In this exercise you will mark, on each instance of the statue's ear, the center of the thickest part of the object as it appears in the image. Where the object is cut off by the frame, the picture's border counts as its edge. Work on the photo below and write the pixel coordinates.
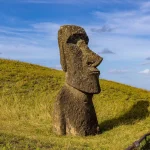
(62, 53)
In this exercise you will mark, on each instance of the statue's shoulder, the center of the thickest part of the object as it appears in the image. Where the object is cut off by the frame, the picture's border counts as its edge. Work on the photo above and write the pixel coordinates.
(63, 93)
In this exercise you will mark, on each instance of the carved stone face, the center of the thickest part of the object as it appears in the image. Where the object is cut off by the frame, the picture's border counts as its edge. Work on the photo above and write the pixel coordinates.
(77, 60)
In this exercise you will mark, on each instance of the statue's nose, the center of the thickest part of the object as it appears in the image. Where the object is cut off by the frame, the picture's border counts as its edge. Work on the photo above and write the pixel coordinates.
(94, 60)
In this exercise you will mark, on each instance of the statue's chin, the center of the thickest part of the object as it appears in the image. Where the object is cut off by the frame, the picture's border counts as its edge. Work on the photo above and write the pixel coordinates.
(94, 91)
(92, 87)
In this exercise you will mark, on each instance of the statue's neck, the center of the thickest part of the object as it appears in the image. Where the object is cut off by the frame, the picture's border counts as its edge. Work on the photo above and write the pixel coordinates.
(78, 93)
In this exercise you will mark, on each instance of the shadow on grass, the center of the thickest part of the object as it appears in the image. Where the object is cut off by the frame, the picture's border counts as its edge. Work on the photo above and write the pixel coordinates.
(139, 111)
(146, 146)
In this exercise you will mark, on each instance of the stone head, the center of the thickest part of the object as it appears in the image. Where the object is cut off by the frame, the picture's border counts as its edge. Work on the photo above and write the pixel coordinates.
(77, 60)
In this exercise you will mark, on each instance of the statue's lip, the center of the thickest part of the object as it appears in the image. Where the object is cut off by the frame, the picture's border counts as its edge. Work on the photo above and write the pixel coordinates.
(94, 70)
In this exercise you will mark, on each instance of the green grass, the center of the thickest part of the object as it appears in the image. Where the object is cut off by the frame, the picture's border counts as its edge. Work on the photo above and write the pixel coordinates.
(145, 144)
(27, 93)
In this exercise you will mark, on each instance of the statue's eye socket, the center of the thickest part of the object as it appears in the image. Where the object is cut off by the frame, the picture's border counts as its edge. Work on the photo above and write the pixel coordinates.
(76, 37)
(89, 63)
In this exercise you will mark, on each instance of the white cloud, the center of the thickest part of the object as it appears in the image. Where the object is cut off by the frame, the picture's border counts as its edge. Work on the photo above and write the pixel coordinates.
(46, 26)
(129, 38)
(37, 29)
(104, 28)
(118, 71)
(148, 58)
(64, 1)
(38, 41)
(106, 51)
(146, 71)
(146, 63)
(133, 22)
(125, 47)
(145, 7)
(50, 1)
(41, 38)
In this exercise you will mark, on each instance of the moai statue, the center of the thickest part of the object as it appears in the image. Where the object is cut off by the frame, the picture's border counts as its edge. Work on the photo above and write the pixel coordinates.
(74, 113)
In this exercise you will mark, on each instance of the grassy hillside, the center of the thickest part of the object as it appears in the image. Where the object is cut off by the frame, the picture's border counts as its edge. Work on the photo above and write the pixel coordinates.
(27, 93)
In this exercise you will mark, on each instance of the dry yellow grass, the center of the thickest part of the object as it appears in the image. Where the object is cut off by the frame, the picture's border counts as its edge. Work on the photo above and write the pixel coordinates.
(27, 93)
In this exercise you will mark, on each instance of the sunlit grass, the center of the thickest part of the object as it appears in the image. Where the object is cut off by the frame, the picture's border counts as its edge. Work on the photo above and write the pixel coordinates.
(27, 93)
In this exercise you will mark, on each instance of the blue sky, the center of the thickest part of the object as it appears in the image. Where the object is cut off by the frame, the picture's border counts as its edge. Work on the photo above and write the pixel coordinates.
(118, 30)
